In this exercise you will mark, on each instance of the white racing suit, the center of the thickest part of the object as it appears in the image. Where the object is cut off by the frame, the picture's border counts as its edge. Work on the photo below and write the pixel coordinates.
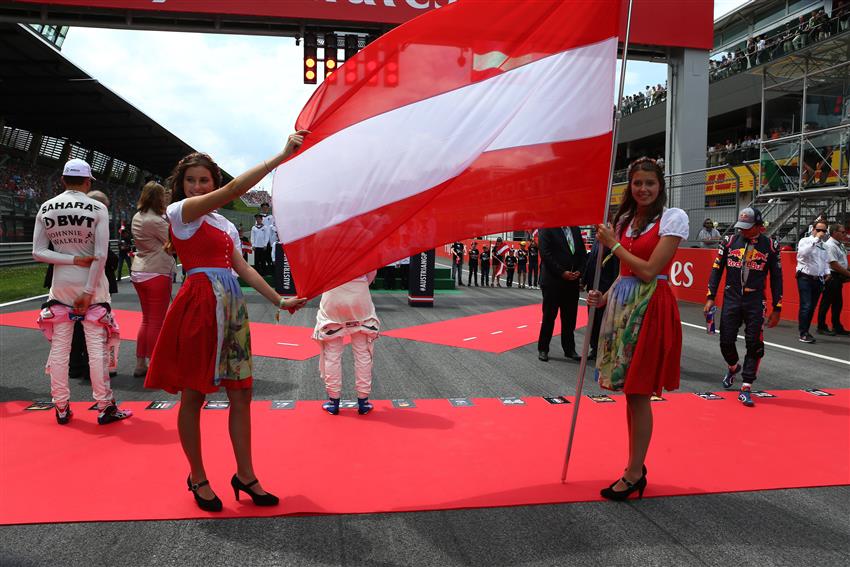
(102, 340)
(75, 225)
(347, 311)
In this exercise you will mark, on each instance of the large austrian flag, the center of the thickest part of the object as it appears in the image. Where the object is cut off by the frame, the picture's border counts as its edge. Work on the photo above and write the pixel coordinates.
(476, 118)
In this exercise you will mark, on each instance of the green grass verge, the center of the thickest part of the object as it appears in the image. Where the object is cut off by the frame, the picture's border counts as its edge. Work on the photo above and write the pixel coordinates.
(18, 282)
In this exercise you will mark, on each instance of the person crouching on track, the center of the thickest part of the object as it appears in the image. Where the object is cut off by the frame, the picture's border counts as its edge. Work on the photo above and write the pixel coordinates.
(748, 257)
(205, 341)
(78, 228)
(347, 310)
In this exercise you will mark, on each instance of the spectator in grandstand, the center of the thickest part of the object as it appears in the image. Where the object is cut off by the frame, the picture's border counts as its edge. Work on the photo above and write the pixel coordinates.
(800, 38)
(607, 275)
(125, 252)
(77, 228)
(153, 270)
(564, 257)
(260, 236)
(832, 298)
(485, 266)
(457, 262)
(708, 235)
(205, 339)
(474, 253)
(347, 311)
(640, 356)
(748, 258)
(812, 269)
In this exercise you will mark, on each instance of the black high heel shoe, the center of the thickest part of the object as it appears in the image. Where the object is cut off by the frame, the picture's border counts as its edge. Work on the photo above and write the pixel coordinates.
(266, 499)
(620, 495)
(212, 505)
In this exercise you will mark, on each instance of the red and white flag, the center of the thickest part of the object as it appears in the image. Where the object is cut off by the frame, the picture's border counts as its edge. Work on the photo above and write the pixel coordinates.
(476, 118)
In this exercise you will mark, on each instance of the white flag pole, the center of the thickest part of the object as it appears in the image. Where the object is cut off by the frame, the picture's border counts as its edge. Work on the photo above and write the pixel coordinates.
(597, 272)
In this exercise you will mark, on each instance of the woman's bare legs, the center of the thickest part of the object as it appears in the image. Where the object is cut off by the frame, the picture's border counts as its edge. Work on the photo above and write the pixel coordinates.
(239, 422)
(189, 429)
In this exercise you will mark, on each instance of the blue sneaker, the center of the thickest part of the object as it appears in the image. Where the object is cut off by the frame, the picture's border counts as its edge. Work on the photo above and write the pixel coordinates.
(745, 397)
(364, 406)
(729, 379)
(331, 406)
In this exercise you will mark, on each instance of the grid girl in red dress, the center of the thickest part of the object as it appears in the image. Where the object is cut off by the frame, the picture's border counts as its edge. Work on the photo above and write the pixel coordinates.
(205, 340)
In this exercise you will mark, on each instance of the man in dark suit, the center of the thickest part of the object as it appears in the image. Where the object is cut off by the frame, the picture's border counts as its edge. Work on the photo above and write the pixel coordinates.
(563, 261)
(607, 275)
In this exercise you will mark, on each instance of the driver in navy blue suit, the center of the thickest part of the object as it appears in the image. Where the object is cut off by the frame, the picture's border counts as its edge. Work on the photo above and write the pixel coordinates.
(563, 260)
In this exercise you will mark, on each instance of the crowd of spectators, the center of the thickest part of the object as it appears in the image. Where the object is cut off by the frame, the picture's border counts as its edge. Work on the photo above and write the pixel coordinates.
(256, 197)
(23, 186)
(644, 99)
(808, 29)
(722, 153)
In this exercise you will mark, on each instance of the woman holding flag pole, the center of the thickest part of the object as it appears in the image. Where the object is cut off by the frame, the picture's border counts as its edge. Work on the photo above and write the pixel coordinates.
(640, 343)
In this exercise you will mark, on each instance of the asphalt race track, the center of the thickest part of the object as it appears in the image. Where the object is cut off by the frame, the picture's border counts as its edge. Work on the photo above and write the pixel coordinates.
(778, 527)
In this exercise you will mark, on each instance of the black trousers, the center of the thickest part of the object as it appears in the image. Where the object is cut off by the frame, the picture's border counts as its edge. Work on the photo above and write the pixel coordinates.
(561, 298)
(473, 271)
(123, 258)
(597, 326)
(533, 274)
(831, 299)
(261, 261)
(78, 364)
(485, 274)
(511, 277)
(748, 310)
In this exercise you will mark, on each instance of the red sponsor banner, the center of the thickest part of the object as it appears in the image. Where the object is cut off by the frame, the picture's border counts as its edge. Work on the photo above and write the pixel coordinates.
(654, 22)
(692, 266)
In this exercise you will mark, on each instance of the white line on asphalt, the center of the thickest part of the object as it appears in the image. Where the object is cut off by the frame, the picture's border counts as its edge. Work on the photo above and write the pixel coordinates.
(522, 326)
(469, 339)
(288, 344)
(23, 300)
(496, 332)
(783, 347)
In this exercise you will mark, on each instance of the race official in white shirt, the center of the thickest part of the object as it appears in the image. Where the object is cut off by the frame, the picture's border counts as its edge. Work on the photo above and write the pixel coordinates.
(260, 242)
(832, 298)
(812, 270)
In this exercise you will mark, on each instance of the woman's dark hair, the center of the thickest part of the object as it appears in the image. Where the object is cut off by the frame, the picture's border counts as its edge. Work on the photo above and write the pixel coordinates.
(628, 209)
(175, 181)
(152, 198)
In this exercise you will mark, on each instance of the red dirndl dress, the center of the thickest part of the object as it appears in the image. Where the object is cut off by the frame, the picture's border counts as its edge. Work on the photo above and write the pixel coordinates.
(640, 341)
(204, 342)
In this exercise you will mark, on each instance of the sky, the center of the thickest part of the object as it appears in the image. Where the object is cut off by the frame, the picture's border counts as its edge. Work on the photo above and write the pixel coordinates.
(234, 97)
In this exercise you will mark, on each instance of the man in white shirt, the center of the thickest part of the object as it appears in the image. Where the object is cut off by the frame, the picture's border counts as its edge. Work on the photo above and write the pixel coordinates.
(78, 229)
(260, 242)
(708, 235)
(812, 269)
(836, 255)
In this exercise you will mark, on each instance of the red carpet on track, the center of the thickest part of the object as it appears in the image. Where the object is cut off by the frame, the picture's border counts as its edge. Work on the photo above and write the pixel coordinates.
(496, 332)
(277, 341)
(431, 457)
